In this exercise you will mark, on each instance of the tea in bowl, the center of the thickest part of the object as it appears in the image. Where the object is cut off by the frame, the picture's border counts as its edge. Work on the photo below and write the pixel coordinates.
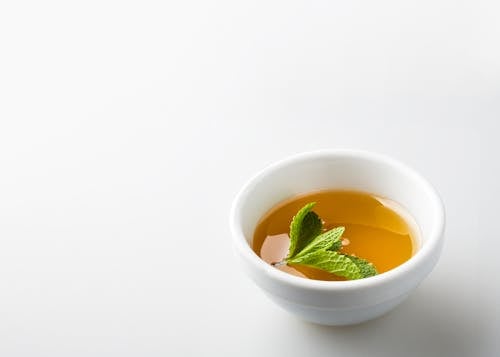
(337, 237)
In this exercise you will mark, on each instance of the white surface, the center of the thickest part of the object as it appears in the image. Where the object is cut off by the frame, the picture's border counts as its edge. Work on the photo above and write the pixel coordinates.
(126, 128)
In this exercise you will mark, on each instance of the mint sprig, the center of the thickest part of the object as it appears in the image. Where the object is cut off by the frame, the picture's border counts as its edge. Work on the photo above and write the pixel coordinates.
(311, 247)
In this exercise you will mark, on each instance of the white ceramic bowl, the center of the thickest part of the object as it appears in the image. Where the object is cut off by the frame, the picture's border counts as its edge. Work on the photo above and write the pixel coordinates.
(338, 302)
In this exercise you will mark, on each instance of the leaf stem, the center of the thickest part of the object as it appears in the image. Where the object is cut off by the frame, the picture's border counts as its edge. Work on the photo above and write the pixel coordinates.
(278, 264)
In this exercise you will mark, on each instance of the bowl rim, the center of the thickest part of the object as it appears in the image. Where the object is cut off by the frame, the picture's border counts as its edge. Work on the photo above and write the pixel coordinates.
(244, 249)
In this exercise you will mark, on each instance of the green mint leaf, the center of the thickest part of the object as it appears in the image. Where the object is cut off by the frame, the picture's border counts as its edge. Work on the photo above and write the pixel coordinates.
(305, 226)
(326, 241)
(332, 262)
(336, 245)
(366, 268)
(310, 247)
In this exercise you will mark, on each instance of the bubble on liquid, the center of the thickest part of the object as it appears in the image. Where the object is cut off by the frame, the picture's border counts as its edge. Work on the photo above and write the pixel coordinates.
(345, 241)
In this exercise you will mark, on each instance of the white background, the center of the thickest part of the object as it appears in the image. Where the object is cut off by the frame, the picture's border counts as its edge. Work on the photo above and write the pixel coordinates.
(126, 128)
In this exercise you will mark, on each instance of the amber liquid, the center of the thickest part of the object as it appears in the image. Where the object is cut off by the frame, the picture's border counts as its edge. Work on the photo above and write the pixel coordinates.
(376, 229)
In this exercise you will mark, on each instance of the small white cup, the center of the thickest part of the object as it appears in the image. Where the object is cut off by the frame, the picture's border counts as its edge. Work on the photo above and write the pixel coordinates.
(338, 302)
